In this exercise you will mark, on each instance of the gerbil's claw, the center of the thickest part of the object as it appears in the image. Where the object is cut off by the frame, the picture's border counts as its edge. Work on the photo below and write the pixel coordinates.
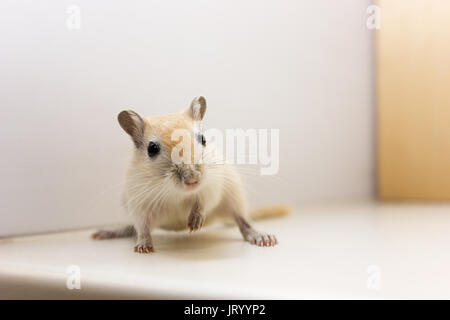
(195, 222)
(255, 237)
(141, 248)
(261, 239)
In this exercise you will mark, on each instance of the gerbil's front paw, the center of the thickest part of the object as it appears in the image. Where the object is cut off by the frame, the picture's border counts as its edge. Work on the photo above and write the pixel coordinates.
(144, 248)
(262, 239)
(195, 221)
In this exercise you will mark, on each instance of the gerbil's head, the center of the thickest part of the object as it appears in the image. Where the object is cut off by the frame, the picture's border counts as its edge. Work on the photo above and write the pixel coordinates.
(169, 149)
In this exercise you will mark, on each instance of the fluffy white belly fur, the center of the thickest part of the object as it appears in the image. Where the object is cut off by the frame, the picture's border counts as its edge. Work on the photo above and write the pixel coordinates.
(174, 216)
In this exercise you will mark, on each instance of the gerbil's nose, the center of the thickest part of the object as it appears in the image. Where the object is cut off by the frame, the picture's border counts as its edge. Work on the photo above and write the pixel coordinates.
(191, 181)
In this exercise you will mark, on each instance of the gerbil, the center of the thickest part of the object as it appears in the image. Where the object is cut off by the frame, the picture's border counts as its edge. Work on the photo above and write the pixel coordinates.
(176, 196)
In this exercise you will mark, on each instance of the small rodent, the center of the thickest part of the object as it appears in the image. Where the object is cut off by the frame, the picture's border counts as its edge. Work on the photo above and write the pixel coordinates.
(177, 196)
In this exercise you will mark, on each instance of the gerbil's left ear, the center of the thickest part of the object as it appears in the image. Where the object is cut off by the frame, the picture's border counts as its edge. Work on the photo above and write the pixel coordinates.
(197, 109)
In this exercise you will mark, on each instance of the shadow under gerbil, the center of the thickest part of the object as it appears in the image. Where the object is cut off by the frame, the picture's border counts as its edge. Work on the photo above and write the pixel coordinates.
(196, 246)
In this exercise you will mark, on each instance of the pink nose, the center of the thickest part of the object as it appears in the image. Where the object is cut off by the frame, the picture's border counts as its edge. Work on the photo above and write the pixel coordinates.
(191, 181)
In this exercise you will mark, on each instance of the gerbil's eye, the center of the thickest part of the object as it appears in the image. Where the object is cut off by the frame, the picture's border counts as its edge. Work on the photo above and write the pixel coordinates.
(153, 149)
(201, 139)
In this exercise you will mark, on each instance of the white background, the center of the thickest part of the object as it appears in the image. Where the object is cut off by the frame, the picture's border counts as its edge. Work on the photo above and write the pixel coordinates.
(304, 67)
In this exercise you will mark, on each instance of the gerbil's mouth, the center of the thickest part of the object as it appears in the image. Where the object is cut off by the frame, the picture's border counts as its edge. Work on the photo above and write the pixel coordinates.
(191, 183)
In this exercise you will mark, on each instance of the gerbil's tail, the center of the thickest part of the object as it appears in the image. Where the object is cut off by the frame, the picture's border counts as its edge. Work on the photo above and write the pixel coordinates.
(123, 232)
(270, 212)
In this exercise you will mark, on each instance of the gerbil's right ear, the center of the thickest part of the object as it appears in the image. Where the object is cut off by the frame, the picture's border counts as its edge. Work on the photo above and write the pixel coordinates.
(134, 125)
(197, 109)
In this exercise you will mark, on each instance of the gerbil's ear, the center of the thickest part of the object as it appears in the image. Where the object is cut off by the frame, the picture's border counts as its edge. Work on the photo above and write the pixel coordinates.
(134, 125)
(197, 109)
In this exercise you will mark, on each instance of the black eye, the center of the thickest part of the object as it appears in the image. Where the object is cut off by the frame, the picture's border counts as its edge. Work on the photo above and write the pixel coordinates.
(201, 139)
(153, 149)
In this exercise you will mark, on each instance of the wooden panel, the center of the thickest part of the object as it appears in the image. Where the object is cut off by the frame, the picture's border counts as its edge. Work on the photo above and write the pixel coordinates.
(413, 64)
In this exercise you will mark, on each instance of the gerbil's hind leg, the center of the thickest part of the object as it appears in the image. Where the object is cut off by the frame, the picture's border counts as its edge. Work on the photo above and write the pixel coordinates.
(254, 237)
(144, 243)
(124, 232)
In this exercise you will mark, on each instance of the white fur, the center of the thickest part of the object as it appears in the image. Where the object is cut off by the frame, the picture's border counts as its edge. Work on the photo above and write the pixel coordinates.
(163, 193)
(155, 199)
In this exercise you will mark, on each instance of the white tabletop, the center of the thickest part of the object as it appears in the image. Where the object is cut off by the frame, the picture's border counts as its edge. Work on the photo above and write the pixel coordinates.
(340, 251)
